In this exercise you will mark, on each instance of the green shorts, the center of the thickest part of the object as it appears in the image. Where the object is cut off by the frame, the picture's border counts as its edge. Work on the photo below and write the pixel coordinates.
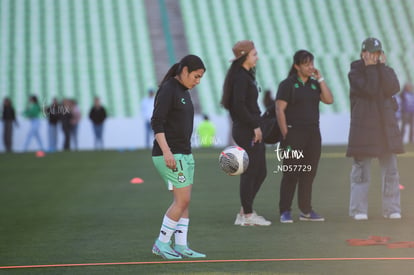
(180, 177)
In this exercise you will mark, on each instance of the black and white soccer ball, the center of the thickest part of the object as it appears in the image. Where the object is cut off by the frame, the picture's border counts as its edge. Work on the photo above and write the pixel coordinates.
(234, 160)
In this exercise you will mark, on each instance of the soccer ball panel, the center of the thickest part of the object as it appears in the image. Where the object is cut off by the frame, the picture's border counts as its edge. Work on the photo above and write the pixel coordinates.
(233, 160)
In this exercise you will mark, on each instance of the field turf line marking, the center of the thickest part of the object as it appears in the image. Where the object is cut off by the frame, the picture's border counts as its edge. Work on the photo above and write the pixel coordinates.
(210, 261)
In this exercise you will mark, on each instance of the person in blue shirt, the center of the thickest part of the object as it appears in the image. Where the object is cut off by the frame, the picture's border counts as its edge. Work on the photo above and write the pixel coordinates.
(407, 111)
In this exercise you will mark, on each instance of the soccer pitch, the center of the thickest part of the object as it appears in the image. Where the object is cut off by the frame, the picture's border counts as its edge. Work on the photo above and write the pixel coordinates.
(78, 213)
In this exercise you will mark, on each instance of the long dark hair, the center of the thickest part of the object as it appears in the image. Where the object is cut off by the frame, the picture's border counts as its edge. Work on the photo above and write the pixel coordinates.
(228, 81)
(192, 62)
(300, 57)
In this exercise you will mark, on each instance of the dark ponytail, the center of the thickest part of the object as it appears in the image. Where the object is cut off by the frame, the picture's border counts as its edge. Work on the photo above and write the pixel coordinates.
(172, 72)
(192, 62)
(228, 81)
(300, 57)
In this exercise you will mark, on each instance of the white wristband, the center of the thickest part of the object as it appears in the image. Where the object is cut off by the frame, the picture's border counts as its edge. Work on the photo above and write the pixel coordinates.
(321, 79)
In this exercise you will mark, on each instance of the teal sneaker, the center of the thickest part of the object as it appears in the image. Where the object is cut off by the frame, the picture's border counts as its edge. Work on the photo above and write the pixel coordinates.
(185, 251)
(165, 251)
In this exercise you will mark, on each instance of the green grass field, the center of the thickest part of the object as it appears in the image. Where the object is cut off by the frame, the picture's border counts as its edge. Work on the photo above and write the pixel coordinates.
(80, 208)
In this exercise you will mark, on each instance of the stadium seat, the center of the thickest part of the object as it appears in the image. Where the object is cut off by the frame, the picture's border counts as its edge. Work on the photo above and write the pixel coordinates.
(331, 30)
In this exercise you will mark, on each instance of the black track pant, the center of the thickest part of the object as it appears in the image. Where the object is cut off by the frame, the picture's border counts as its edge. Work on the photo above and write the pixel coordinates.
(253, 177)
(300, 167)
(7, 134)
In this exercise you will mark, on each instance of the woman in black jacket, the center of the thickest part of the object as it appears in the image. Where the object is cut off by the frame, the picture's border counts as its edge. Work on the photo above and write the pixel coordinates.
(240, 93)
(374, 131)
(172, 122)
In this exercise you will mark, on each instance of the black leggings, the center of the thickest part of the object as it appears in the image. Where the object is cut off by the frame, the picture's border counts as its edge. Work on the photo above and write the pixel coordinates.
(306, 140)
(253, 177)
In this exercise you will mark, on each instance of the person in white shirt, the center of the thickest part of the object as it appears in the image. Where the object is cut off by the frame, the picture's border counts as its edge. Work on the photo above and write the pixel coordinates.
(147, 106)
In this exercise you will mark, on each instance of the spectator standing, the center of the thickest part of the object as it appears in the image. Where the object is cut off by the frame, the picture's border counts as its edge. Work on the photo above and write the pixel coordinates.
(97, 115)
(66, 117)
(33, 113)
(206, 132)
(53, 119)
(75, 119)
(407, 111)
(9, 117)
(374, 131)
(147, 106)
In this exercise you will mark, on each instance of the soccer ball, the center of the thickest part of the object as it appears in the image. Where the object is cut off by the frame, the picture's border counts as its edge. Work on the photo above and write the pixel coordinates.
(233, 160)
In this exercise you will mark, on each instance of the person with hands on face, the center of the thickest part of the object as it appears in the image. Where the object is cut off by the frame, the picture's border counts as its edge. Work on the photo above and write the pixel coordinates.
(240, 94)
(373, 58)
(297, 111)
(374, 131)
(172, 122)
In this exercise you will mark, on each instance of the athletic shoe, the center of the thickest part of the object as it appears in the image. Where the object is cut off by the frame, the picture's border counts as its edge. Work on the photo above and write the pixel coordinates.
(185, 251)
(165, 251)
(360, 217)
(254, 219)
(312, 216)
(286, 217)
(393, 216)
(238, 220)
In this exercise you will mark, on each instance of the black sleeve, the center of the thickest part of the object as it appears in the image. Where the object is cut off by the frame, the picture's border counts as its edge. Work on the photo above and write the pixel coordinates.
(389, 81)
(162, 105)
(284, 91)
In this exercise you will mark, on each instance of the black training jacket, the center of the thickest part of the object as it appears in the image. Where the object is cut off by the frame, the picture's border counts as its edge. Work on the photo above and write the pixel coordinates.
(173, 115)
(244, 109)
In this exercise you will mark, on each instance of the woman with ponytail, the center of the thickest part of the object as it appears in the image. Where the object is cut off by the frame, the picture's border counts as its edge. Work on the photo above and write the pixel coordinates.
(172, 123)
(240, 93)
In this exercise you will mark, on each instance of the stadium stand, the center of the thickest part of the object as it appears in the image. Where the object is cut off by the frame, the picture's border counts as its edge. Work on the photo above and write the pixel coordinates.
(76, 49)
(85, 48)
(332, 30)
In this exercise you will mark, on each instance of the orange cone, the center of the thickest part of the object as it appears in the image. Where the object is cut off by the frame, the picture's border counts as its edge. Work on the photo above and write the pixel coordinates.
(137, 181)
(40, 154)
